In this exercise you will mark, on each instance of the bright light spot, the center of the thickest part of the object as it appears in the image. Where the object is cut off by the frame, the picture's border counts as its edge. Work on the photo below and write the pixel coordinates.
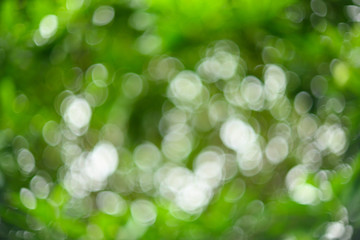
(143, 212)
(186, 86)
(26, 161)
(332, 137)
(322, 137)
(76, 183)
(132, 85)
(27, 198)
(222, 65)
(335, 230)
(305, 194)
(275, 82)
(103, 15)
(296, 176)
(303, 102)
(51, 133)
(147, 156)
(191, 192)
(209, 167)
(337, 141)
(101, 162)
(300, 191)
(74, 4)
(173, 180)
(237, 135)
(77, 115)
(48, 26)
(110, 203)
(40, 187)
(89, 172)
(252, 92)
(277, 150)
(193, 197)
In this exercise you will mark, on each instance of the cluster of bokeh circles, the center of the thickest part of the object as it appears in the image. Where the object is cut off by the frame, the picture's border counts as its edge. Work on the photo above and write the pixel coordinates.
(136, 153)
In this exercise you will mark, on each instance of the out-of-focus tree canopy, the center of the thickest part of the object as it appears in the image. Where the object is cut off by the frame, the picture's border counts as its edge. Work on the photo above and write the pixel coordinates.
(177, 119)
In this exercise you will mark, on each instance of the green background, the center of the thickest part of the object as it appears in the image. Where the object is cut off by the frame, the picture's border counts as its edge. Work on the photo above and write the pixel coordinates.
(140, 49)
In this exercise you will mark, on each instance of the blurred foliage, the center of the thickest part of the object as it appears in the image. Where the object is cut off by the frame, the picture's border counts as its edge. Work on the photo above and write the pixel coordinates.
(176, 119)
